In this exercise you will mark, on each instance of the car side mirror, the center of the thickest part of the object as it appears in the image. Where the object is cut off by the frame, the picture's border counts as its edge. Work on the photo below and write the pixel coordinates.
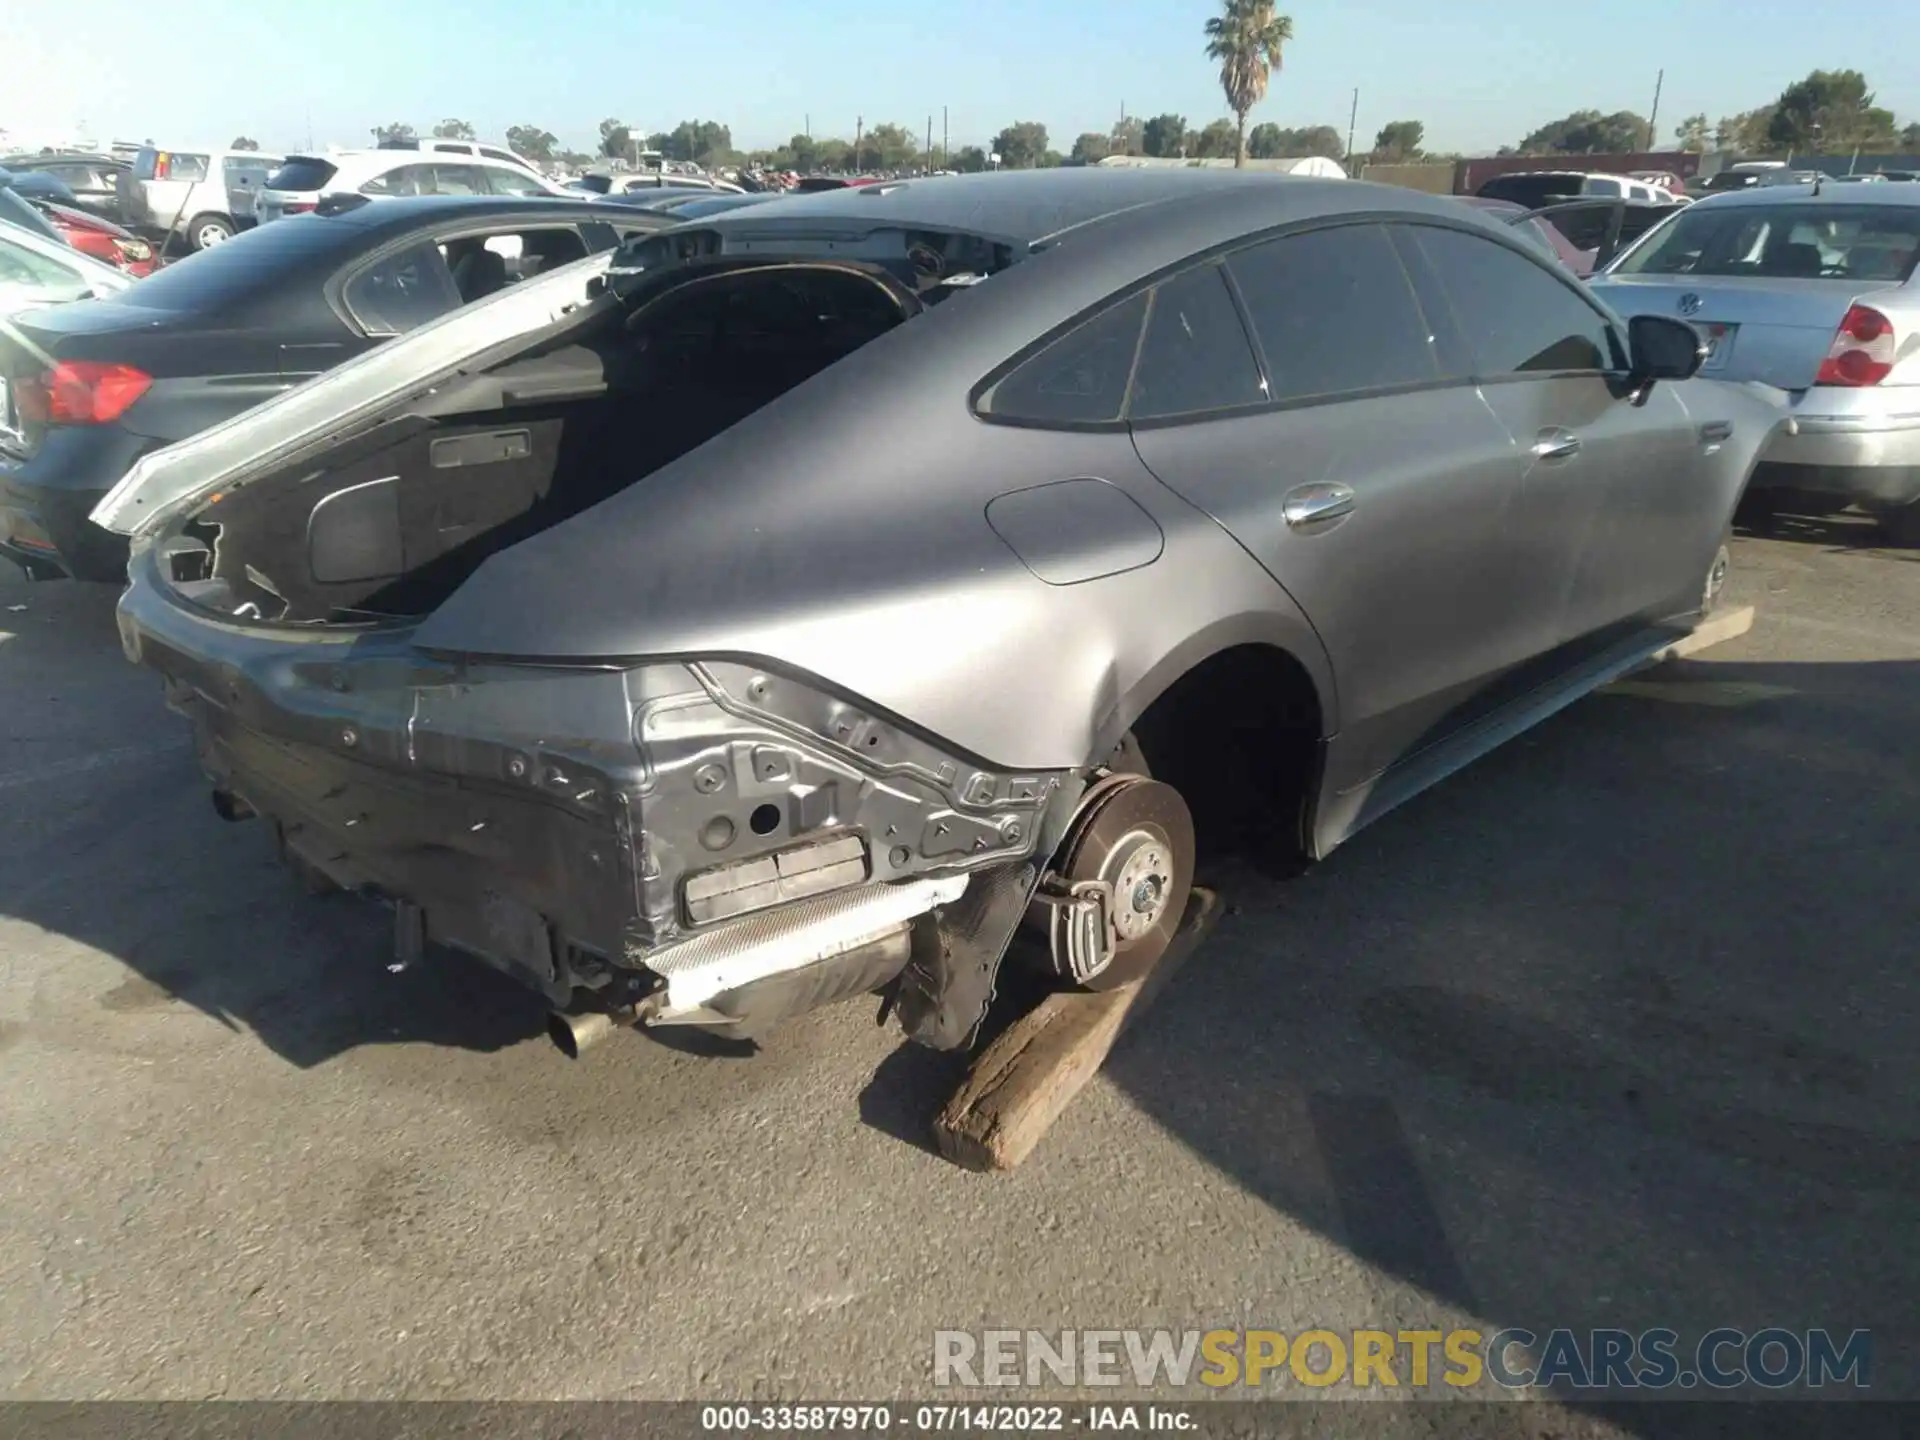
(1664, 348)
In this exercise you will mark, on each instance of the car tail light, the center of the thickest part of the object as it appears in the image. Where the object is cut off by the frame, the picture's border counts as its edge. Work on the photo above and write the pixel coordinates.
(162, 165)
(297, 207)
(96, 243)
(80, 392)
(1862, 350)
(133, 251)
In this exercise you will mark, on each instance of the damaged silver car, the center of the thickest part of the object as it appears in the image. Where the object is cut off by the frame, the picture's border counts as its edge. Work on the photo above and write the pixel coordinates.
(798, 602)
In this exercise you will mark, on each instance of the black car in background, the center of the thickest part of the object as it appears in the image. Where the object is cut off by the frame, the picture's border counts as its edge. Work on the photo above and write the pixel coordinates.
(97, 384)
(92, 180)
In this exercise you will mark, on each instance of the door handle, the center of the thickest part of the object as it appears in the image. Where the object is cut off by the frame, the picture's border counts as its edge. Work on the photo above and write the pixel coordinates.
(1316, 503)
(1556, 444)
(1714, 432)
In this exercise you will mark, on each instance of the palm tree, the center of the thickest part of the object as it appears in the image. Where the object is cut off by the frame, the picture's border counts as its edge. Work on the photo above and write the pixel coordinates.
(1246, 37)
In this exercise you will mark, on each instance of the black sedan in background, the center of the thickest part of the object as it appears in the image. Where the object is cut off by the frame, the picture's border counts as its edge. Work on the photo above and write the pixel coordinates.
(91, 180)
(91, 387)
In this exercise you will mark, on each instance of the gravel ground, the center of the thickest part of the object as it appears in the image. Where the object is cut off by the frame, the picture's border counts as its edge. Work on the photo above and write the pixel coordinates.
(1613, 1029)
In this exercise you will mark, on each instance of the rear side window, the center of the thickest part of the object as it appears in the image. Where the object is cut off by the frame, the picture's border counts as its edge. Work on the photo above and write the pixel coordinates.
(1334, 312)
(302, 174)
(1080, 379)
(513, 182)
(403, 291)
(1515, 316)
(187, 167)
(1195, 357)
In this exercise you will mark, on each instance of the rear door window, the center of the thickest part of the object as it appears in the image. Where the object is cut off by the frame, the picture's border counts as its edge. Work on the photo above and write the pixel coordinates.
(1196, 358)
(1080, 379)
(513, 182)
(458, 180)
(402, 291)
(187, 167)
(1334, 312)
(401, 180)
(1514, 315)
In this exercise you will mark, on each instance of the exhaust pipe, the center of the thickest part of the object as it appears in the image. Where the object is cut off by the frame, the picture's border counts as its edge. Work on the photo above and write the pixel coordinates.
(231, 808)
(572, 1031)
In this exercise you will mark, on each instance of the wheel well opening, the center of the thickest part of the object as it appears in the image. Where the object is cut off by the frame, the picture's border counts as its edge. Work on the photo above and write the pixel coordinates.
(1238, 736)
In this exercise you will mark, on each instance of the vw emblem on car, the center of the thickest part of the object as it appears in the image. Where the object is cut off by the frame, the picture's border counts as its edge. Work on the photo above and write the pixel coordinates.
(1690, 304)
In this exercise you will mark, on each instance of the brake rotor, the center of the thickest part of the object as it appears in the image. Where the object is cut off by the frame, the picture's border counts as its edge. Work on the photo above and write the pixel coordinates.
(1136, 836)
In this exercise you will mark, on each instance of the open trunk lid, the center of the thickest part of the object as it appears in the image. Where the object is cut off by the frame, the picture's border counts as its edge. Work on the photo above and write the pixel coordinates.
(1773, 330)
(168, 483)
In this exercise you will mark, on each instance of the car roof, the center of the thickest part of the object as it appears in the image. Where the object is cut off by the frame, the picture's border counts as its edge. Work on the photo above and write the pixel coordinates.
(405, 212)
(21, 159)
(1809, 194)
(1026, 206)
(209, 150)
(379, 161)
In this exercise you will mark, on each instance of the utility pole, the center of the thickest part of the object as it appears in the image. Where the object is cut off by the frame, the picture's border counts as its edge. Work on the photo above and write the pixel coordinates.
(1353, 117)
(1658, 81)
(944, 151)
(929, 144)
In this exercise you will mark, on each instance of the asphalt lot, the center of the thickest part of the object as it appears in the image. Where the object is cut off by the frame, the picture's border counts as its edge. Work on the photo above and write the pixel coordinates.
(1616, 1028)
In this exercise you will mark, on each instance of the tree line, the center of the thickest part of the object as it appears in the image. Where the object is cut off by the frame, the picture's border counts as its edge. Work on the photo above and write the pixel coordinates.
(1830, 111)
(1247, 39)
(1025, 144)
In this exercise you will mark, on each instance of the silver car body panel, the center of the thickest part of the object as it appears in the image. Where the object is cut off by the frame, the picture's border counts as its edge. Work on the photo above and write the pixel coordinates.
(1861, 441)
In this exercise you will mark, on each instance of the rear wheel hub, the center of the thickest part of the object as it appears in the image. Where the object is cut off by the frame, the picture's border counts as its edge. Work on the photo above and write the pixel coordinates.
(1135, 840)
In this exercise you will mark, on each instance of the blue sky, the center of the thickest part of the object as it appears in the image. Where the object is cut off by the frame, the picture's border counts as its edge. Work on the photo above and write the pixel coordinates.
(1479, 73)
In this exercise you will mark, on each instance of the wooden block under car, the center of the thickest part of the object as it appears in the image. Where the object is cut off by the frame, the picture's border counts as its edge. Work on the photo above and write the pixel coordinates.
(1025, 1079)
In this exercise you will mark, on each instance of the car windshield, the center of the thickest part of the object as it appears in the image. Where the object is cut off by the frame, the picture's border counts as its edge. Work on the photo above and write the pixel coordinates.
(1788, 241)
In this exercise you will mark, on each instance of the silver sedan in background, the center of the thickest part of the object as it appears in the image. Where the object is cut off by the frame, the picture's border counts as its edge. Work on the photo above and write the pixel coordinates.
(1809, 288)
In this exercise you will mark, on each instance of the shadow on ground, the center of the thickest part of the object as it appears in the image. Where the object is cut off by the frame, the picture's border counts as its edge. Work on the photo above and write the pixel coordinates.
(111, 840)
(1615, 1029)
(1835, 532)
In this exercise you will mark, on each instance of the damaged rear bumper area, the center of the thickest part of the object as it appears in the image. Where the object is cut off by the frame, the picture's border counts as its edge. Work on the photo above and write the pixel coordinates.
(708, 842)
